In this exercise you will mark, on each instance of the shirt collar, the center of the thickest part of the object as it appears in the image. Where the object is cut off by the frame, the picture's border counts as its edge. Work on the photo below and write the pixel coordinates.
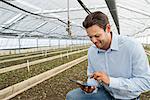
(113, 46)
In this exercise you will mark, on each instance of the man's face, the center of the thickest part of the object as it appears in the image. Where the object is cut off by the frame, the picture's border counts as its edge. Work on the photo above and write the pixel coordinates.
(98, 36)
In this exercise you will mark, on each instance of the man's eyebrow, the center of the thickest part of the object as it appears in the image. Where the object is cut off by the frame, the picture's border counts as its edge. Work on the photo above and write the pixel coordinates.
(89, 35)
(97, 33)
(93, 35)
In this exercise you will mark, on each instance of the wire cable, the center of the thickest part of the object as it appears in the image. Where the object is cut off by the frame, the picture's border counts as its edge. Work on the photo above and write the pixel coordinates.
(84, 7)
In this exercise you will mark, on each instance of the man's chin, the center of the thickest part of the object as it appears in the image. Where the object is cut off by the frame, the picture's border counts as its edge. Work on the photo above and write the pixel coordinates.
(98, 46)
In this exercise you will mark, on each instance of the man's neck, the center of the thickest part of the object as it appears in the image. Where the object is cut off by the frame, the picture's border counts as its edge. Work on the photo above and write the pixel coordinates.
(109, 42)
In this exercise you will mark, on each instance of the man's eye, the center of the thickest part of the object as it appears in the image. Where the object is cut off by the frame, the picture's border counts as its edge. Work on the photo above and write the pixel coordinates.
(96, 35)
(90, 37)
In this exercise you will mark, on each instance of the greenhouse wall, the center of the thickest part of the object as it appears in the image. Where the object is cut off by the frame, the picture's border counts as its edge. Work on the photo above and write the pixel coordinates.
(7, 43)
(144, 39)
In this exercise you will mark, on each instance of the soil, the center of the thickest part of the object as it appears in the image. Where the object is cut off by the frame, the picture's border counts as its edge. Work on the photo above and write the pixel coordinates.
(56, 87)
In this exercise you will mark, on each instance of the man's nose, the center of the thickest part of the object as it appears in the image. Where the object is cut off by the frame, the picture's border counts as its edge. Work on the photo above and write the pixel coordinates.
(93, 39)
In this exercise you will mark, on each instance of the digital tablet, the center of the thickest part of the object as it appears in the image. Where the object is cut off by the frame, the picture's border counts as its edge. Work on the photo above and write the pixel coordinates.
(78, 82)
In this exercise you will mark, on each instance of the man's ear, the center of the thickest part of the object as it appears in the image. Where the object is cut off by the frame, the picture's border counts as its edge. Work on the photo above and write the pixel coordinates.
(108, 28)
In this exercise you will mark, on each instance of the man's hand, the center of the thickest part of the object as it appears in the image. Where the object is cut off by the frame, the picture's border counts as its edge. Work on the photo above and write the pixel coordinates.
(101, 76)
(88, 89)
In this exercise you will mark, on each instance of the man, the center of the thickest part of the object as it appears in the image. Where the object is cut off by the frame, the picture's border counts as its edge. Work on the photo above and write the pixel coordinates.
(118, 67)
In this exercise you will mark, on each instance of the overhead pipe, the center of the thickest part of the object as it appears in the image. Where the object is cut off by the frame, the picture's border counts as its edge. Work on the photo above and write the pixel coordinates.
(113, 10)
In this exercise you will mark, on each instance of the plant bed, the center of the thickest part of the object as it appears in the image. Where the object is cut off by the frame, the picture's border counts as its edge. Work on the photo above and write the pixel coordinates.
(41, 56)
(3, 57)
(56, 87)
(12, 77)
(148, 58)
(145, 96)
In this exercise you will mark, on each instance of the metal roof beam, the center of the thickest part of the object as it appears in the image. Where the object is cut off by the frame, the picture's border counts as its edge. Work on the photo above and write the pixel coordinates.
(139, 22)
(134, 10)
(28, 4)
(71, 9)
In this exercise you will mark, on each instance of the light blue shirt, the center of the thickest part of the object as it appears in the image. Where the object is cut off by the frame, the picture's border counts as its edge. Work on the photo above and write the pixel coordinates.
(126, 64)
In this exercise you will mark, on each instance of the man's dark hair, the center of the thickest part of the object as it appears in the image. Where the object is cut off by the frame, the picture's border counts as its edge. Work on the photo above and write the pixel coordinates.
(96, 18)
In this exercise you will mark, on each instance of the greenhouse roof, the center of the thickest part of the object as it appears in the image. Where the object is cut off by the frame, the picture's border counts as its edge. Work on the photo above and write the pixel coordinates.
(49, 18)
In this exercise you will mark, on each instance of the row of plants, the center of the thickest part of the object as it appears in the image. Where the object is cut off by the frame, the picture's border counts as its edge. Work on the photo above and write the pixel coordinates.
(16, 62)
(147, 47)
(146, 95)
(12, 77)
(3, 57)
(56, 87)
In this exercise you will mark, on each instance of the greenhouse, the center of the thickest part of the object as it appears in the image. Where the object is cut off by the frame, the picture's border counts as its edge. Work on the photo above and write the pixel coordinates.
(46, 45)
